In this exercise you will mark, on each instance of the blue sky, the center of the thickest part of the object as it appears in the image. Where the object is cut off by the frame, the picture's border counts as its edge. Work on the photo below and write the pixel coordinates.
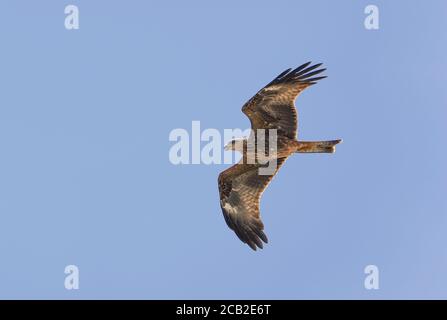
(85, 177)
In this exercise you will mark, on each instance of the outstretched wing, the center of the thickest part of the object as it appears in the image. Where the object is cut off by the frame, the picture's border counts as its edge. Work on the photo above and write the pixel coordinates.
(240, 190)
(273, 107)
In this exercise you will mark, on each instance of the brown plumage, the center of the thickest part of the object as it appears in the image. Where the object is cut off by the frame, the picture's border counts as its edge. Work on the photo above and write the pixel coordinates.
(241, 186)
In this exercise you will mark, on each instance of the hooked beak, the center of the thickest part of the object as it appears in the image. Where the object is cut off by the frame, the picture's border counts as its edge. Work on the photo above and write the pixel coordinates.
(227, 146)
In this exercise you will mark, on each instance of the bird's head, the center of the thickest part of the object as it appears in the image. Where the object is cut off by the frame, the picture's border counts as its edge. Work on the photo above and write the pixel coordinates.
(236, 145)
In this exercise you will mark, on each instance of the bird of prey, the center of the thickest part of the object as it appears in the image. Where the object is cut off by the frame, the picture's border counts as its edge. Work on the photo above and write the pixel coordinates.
(241, 186)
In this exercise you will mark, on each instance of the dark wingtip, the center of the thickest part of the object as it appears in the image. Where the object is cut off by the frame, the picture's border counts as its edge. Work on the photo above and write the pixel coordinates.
(251, 236)
(308, 75)
(252, 245)
(301, 67)
(316, 79)
(264, 237)
(305, 73)
(301, 74)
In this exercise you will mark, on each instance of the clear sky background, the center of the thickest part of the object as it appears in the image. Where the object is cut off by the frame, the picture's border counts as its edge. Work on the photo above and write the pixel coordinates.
(85, 176)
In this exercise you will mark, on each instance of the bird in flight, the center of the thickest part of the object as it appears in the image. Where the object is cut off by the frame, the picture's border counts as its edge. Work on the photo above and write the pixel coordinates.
(272, 108)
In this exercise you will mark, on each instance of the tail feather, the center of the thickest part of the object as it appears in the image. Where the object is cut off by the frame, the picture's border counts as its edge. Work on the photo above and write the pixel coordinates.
(317, 146)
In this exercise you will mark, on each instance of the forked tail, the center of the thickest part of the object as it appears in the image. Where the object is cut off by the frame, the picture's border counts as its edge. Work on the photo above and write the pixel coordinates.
(316, 146)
